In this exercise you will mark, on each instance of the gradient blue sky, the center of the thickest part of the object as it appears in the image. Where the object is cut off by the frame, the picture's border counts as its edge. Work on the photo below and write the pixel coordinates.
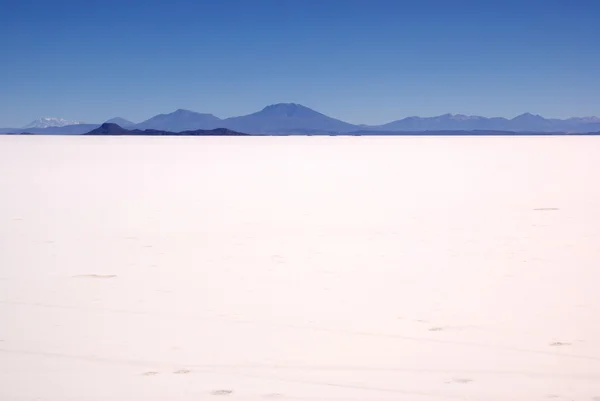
(364, 61)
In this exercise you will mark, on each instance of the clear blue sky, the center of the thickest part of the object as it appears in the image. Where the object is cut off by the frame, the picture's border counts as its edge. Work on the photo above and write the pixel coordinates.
(364, 61)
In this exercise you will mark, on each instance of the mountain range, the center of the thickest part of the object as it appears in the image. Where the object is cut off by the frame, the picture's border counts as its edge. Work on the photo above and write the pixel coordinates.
(291, 118)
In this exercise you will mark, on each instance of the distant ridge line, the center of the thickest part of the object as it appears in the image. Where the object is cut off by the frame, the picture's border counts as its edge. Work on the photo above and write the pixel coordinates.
(296, 119)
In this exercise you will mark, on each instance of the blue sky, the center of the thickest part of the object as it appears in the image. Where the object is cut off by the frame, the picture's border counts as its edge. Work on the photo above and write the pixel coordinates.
(364, 61)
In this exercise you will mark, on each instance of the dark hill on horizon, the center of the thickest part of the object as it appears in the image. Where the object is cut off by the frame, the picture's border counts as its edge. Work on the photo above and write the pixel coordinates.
(114, 129)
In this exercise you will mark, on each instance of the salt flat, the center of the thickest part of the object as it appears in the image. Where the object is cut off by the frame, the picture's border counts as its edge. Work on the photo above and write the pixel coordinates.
(299, 268)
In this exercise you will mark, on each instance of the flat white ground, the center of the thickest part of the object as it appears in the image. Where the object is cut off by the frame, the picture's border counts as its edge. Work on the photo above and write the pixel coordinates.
(308, 268)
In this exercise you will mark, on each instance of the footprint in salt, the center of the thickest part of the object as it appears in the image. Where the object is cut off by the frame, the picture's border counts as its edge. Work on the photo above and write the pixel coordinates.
(462, 380)
(222, 392)
(149, 373)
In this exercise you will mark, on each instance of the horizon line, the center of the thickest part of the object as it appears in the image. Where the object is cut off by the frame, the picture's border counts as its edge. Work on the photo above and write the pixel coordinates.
(301, 105)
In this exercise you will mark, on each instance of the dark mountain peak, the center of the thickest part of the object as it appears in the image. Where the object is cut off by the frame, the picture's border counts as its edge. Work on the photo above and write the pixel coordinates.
(283, 106)
(183, 111)
(287, 110)
(457, 117)
(186, 113)
(528, 116)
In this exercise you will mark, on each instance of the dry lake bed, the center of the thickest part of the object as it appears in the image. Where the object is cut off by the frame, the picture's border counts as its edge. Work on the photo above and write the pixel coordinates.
(299, 268)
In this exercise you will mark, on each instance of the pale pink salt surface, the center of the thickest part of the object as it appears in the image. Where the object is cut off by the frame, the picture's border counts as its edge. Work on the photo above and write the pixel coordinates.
(347, 268)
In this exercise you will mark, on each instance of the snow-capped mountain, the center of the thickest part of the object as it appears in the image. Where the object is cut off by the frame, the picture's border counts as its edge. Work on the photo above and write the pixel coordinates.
(47, 122)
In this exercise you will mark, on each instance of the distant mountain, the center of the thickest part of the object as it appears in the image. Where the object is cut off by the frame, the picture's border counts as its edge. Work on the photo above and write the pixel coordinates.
(108, 129)
(526, 122)
(458, 133)
(120, 121)
(181, 120)
(287, 117)
(445, 122)
(47, 122)
(295, 119)
(584, 120)
(114, 129)
(66, 130)
(531, 122)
